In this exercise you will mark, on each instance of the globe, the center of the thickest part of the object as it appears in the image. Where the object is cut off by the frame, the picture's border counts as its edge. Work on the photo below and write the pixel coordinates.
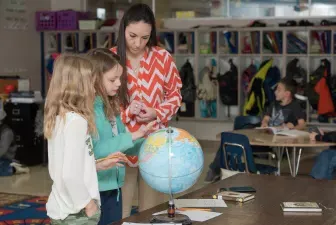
(170, 160)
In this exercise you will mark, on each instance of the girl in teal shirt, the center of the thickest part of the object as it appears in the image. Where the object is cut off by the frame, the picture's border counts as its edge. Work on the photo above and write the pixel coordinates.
(112, 134)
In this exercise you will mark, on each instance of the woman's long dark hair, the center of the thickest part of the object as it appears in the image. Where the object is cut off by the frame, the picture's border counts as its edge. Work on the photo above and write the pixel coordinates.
(136, 13)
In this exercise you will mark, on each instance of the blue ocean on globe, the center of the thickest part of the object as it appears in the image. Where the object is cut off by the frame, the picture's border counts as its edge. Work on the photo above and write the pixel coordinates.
(186, 160)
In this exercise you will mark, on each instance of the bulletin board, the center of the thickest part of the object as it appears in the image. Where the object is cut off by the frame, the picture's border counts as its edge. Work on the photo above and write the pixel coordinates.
(20, 52)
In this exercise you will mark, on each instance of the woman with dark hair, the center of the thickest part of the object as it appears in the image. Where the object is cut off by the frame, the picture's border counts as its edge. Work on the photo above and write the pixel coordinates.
(153, 85)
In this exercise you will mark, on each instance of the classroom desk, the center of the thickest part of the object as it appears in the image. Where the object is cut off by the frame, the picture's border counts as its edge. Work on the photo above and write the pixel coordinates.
(282, 143)
(265, 208)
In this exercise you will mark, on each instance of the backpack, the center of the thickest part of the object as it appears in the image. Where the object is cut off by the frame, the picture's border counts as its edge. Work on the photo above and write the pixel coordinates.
(247, 76)
(228, 85)
(256, 98)
(188, 90)
(296, 72)
(207, 88)
(315, 77)
(273, 76)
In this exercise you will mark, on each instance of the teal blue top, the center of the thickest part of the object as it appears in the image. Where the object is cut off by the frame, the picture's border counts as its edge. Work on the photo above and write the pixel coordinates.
(106, 143)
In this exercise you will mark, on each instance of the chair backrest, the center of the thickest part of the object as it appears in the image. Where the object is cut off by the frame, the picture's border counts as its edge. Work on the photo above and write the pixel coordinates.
(245, 122)
(234, 147)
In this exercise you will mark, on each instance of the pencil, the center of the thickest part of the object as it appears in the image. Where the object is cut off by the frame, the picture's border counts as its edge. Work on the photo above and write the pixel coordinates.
(194, 209)
(113, 157)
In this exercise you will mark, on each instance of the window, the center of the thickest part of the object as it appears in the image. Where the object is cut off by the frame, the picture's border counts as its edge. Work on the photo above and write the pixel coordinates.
(101, 13)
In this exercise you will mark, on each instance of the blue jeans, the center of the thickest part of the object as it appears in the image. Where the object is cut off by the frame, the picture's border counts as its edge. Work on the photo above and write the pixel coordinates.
(5, 168)
(325, 165)
(111, 208)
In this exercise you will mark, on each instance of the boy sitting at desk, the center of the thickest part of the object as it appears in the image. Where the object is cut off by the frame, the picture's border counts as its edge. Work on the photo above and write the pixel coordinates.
(325, 165)
(285, 111)
(8, 150)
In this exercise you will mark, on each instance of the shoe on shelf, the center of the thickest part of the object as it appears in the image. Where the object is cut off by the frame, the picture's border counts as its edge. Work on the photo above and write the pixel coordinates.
(256, 23)
(289, 23)
(211, 177)
(19, 168)
(327, 23)
(305, 23)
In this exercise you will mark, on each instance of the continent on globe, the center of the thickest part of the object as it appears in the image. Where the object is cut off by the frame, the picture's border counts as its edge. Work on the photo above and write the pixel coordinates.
(184, 164)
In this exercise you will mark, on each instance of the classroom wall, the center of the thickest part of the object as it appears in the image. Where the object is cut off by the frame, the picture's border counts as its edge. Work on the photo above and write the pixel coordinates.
(20, 46)
(112, 6)
(80, 5)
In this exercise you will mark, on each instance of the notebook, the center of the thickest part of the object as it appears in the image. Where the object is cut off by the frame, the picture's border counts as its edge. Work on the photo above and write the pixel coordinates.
(300, 207)
(234, 196)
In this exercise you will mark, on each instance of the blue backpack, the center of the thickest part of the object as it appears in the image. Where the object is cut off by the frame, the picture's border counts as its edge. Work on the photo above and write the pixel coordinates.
(273, 76)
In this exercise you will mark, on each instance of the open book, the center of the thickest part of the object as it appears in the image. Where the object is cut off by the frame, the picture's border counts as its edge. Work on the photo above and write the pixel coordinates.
(284, 131)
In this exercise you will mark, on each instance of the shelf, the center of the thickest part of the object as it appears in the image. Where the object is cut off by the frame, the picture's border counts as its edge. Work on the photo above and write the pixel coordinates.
(243, 45)
(183, 55)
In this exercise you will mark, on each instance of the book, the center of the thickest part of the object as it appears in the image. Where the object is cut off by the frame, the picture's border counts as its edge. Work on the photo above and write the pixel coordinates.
(300, 207)
(284, 131)
(233, 196)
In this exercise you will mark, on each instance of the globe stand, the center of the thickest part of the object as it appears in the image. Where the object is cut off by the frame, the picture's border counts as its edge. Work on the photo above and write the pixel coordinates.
(171, 217)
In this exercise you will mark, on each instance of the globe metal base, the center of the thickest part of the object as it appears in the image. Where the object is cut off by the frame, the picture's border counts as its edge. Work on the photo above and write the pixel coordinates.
(179, 218)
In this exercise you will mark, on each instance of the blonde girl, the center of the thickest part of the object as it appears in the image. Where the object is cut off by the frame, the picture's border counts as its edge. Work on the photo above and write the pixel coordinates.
(68, 126)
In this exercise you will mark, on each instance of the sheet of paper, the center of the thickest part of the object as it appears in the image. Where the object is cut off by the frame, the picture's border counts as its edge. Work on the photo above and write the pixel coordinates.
(195, 215)
(200, 203)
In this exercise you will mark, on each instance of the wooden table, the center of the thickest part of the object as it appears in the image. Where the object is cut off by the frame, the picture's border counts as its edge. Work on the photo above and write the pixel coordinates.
(265, 208)
(281, 143)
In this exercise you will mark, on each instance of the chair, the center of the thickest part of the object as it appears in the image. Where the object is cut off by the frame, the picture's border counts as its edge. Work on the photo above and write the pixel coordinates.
(237, 146)
(245, 122)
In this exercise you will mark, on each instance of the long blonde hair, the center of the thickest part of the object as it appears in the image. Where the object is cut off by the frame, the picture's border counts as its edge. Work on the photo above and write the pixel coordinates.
(104, 60)
(71, 90)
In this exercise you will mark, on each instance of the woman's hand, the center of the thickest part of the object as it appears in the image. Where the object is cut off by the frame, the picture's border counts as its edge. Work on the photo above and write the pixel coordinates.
(112, 160)
(135, 107)
(146, 114)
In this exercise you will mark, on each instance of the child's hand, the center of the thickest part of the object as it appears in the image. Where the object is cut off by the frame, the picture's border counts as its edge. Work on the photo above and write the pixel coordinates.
(143, 131)
(264, 125)
(135, 107)
(312, 136)
(290, 126)
(321, 131)
(114, 159)
(91, 208)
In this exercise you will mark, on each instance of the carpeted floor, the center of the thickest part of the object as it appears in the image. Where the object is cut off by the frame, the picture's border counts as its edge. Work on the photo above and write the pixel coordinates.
(22, 210)
(6, 199)
(26, 210)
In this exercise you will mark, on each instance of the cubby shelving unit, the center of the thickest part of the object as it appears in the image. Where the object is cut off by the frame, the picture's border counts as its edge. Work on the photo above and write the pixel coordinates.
(199, 46)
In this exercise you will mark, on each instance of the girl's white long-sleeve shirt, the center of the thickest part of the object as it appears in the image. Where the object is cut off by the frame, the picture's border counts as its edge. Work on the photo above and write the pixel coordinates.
(72, 167)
